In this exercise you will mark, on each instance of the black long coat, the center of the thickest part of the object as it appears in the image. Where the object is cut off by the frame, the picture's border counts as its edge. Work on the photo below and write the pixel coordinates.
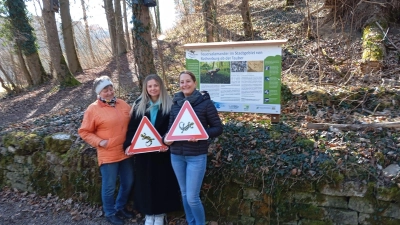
(155, 188)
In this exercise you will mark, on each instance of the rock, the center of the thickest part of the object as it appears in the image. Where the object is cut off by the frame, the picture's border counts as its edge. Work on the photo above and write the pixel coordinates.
(59, 142)
(350, 188)
(11, 149)
(391, 170)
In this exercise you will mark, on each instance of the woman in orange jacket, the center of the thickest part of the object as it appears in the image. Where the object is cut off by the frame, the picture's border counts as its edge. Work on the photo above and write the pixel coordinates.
(104, 127)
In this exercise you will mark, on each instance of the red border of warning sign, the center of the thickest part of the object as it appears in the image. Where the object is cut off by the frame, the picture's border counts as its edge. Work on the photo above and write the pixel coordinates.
(203, 134)
(144, 121)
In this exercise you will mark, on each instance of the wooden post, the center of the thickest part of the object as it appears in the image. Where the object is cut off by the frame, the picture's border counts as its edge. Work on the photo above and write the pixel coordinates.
(275, 118)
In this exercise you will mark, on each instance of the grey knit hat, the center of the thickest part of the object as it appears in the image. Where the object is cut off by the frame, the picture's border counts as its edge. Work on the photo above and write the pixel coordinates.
(100, 83)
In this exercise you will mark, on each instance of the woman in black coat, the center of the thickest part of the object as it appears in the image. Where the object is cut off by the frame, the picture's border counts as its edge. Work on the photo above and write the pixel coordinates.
(155, 190)
(189, 158)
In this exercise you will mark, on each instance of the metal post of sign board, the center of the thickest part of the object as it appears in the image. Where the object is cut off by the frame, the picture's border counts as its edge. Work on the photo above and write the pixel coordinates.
(240, 76)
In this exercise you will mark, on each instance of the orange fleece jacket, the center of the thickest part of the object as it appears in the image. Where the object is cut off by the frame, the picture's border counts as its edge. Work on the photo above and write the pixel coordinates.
(104, 122)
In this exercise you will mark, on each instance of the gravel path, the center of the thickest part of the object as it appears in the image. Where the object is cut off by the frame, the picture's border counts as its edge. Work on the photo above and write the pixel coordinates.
(23, 208)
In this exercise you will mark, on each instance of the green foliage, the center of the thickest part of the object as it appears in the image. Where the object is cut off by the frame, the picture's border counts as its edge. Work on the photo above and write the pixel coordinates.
(286, 93)
(251, 151)
(70, 81)
(5, 31)
(22, 31)
(139, 28)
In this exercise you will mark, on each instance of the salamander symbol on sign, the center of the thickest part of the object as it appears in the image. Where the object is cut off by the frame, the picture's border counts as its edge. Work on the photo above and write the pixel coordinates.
(148, 138)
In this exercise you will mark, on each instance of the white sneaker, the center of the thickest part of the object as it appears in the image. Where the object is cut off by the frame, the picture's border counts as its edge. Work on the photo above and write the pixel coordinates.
(149, 220)
(159, 219)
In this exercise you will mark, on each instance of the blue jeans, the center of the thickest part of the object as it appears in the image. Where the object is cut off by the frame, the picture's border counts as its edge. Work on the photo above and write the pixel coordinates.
(109, 174)
(189, 171)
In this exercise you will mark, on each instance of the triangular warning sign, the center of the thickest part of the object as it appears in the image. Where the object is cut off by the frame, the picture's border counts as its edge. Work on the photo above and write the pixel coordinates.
(186, 126)
(146, 139)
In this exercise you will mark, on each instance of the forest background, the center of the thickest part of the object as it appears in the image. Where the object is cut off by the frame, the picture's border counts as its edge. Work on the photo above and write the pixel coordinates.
(340, 77)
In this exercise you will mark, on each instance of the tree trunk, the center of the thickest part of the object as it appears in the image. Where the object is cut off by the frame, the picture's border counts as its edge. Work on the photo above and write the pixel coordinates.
(34, 64)
(128, 41)
(15, 69)
(121, 44)
(25, 40)
(87, 32)
(63, 74)
(42, 30)
(208, 20)
(9, 80)
(24, 69)
(158, 21)
(214, 16)
(247, 24)
(68, 35)
(143, 51)
(108, 7)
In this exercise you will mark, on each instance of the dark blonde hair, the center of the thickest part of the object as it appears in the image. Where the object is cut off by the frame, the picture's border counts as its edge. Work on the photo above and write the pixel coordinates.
(164, 98)
(188, 73)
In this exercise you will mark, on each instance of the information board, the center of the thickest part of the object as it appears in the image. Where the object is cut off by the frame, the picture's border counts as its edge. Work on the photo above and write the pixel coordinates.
(239, 76)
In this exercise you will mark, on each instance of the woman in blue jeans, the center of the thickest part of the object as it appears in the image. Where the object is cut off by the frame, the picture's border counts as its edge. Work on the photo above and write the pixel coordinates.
(104, 127)
(189, 158)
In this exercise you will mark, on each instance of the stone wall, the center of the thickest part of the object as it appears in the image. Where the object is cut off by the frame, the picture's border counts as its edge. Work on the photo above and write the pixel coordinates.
(49, 165)
(345, 203)
(57, 165)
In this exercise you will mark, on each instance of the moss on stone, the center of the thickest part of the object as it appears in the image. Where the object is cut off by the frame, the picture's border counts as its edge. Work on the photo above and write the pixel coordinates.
(25, 143)
(70, 81)
(375, 219)
(284, 212)
(389, 193)
(315, 222)
(372, 38)
(311, 212)
(337, 177)
(39, 159)
(4, 161)
(42, 179)
(372, 52)
(304, 186)
(59, 142)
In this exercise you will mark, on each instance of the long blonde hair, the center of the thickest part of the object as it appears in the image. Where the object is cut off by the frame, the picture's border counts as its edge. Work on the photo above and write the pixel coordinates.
(165, 100)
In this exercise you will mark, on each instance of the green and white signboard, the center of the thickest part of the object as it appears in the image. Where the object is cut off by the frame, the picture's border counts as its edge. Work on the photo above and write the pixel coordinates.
(239, 76)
